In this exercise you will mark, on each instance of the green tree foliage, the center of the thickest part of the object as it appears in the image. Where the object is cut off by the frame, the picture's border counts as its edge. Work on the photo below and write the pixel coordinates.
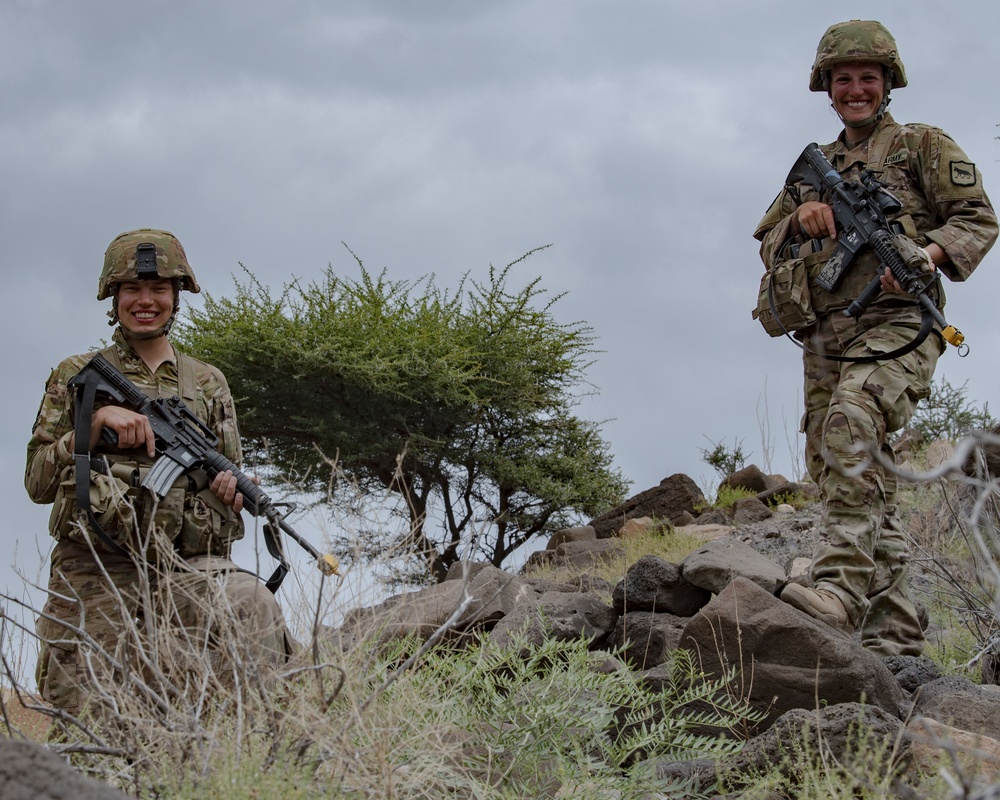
(462, 403)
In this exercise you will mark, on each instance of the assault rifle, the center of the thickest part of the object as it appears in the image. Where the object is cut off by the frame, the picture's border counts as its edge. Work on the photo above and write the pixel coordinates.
(860, 209)
(183, 444)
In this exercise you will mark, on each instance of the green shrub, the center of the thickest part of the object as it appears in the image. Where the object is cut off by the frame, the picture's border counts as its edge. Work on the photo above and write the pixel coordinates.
(948, 413)
(725, 460)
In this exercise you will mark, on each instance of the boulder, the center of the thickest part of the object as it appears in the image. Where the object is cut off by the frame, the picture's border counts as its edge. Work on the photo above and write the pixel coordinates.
(584, 554)
(785, 659)
(832, 731)
(714, 565)
(670, 500)
(489, 593)
(750, 479)
(749, 509)
(652, 584)
(958, 701)
(29, 771)
(976, 754)
(557, 615)
(646, 638)
(583, 533)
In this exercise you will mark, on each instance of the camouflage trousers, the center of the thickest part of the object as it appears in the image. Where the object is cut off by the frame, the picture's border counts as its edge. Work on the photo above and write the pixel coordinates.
(863, 556)
(113, 618)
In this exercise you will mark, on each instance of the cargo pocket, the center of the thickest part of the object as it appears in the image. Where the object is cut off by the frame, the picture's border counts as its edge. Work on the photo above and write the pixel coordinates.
(784, 303)
(209, 526)
(111, 502)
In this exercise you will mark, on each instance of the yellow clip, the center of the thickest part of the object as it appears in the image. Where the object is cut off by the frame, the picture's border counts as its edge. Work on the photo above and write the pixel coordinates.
(329, 564)
(953, 335)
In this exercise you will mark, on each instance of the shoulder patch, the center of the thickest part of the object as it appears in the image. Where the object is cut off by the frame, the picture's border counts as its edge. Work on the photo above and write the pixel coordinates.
(963, 173)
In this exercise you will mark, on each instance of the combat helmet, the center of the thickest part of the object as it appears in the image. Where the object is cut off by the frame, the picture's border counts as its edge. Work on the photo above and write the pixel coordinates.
(145, 253)
(852, 42)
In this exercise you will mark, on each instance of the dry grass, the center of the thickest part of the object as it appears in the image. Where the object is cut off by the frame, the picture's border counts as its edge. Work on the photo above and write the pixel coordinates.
(19, 717)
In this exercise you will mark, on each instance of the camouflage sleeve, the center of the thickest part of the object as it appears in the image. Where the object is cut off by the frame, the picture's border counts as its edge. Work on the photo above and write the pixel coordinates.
(49, 450)
(773, 230)
(222, 416)
(954, 186)
(222, 421)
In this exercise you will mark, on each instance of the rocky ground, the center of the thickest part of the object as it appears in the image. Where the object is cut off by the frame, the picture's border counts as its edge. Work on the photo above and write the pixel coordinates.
(720, 602)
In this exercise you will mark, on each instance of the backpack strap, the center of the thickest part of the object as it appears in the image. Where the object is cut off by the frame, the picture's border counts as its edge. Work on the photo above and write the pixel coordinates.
(878, 148)
(187, 379)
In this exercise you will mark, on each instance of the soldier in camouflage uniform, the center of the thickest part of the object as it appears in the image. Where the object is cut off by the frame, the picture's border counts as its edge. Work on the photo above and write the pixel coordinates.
(859, 570)
(168, 559)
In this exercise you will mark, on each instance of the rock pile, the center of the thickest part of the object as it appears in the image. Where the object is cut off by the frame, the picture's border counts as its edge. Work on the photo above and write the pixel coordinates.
(720, 603)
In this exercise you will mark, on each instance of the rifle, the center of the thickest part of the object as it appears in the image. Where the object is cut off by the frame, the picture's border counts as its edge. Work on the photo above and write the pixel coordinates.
(860, 209)
(184, 443)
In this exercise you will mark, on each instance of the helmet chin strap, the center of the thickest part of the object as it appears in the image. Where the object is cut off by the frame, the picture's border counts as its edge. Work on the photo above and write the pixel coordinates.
(147, 335)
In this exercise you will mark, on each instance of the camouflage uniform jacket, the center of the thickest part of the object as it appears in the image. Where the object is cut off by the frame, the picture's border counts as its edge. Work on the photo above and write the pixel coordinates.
(192, 521)
(942, 197)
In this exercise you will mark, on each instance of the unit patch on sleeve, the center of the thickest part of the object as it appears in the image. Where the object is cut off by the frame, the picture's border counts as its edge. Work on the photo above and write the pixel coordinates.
(963, 173)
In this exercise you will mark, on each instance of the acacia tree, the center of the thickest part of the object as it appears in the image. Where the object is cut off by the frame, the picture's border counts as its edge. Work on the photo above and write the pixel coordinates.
(461, 403)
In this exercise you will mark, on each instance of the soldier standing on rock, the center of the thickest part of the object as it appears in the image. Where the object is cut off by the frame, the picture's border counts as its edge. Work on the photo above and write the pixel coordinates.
(859, 569)
(168, 557)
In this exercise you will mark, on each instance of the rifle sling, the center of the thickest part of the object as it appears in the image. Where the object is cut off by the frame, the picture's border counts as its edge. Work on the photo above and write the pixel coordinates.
(273, 543)
(81, 458)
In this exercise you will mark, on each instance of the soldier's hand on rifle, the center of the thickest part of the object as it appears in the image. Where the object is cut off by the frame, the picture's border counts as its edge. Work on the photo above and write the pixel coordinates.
(919, 259)
(133, 429)
(224, 485)
(815, 220)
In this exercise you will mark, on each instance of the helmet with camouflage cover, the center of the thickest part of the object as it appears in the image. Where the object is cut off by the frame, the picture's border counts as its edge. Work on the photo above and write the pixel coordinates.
(145, 253)
(854, 42)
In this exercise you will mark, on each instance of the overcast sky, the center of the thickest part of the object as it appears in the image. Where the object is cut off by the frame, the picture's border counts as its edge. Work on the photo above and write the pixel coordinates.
(643, 140)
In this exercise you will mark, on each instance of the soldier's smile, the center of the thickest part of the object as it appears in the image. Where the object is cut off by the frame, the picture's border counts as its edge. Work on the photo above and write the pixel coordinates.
(145, 305)
(856, 90)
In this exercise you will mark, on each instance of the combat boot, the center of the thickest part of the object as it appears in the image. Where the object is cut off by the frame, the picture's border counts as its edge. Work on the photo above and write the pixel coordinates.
(819, 604)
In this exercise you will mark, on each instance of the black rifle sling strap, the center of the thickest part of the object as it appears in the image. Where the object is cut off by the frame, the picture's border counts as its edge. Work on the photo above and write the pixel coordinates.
(187, 383)
(81, 457)
(272, 539)
(926, 325)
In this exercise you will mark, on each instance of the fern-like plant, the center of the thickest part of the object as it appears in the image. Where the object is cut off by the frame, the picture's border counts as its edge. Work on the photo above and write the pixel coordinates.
(542, 714)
